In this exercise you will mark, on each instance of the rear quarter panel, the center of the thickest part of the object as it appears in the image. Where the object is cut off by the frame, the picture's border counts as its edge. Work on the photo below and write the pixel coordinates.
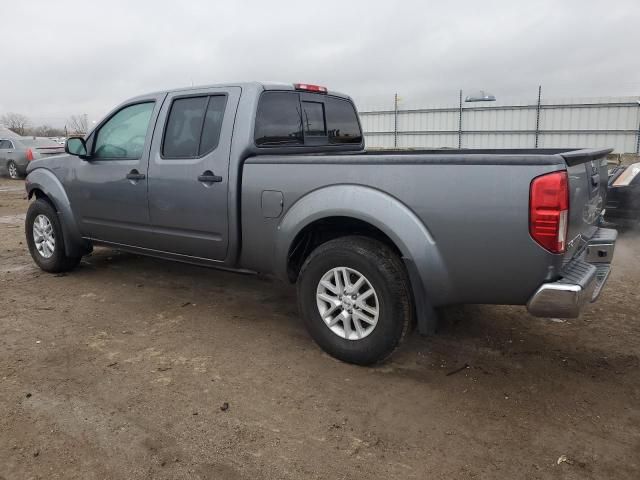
(476, 214)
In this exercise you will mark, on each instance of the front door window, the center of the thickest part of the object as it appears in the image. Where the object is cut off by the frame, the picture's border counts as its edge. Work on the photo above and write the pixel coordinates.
(124, 134)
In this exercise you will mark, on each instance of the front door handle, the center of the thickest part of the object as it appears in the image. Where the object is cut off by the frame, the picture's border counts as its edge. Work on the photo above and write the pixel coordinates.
(135, 175)
(209, 177)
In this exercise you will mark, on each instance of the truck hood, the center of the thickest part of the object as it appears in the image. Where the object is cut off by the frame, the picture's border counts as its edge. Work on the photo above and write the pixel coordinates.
(52, 163)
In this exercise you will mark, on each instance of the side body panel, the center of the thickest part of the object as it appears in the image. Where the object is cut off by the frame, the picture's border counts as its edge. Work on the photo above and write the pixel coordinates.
(464, 224)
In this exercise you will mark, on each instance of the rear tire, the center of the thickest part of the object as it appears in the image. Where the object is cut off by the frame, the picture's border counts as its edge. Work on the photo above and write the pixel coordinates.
(354, 297)
(13, 171)
(45, 240)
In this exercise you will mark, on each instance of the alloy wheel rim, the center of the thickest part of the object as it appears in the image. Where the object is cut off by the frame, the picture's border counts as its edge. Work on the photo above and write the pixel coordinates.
(347, 303)
(13, 170)
(43, 236)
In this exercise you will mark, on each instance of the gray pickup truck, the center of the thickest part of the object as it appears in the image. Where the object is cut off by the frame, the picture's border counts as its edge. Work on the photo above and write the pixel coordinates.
(274, 179)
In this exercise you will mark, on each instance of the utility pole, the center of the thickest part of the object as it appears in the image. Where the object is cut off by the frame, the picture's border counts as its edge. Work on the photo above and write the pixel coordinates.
(460, 120)
(638, 134)
(395, 121)
(538, 115)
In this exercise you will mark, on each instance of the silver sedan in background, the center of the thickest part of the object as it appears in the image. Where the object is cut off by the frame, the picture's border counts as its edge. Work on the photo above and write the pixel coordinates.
(16, 153)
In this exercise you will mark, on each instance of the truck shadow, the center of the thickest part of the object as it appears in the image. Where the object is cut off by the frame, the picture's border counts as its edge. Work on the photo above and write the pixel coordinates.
(494, 340)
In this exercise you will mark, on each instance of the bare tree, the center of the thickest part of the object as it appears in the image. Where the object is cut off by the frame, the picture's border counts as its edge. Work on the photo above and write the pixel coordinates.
(78, 124)
(16, 122)
(47, 131)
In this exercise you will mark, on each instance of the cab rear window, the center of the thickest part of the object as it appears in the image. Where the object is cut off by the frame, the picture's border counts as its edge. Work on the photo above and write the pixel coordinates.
(342, 121)
(289, 119)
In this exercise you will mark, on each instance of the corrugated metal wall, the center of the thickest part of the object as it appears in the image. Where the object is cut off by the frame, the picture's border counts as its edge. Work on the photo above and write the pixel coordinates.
(595, 122)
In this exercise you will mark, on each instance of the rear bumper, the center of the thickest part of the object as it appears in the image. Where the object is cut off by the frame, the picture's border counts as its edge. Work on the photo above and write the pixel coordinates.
(582, 280)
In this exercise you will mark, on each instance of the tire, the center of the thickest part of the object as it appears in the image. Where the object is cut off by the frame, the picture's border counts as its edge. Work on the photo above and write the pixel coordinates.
(383, 272)
(53, 260)
(13, 170)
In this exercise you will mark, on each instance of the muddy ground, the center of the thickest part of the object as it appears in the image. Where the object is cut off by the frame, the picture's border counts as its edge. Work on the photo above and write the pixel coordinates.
(122, 369)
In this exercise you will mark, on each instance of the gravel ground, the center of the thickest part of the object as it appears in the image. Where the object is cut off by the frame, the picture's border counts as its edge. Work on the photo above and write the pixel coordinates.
(131, 367)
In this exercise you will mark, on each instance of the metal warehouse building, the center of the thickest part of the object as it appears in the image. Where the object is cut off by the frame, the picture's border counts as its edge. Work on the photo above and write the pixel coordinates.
(591, 122)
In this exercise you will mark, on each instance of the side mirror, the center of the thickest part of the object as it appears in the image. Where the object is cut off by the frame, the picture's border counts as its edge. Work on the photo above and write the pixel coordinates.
(76, 146)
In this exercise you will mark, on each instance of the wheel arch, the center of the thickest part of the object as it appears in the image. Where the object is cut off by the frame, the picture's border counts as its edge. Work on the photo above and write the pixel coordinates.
(327, 228)
(43, 184)
(349, 209)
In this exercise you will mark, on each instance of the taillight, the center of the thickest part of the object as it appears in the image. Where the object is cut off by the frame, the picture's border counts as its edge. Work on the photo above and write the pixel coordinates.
(310, 88)
(29, 154)
(549, 211)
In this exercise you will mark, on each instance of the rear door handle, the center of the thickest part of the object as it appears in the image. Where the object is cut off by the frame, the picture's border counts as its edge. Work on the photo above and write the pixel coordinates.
(209, 177)
(135, 175)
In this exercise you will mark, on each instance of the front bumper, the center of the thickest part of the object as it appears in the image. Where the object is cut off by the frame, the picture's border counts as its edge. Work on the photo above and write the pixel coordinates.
(582, 280)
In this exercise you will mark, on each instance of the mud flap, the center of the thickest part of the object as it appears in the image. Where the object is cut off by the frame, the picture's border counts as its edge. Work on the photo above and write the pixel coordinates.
(426, 316)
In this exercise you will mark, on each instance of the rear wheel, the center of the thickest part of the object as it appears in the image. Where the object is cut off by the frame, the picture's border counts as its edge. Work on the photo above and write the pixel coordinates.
(12, 168)
(44, 238)
(353, 293)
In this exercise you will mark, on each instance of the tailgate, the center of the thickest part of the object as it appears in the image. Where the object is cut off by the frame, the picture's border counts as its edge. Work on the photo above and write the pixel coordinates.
(587, 171)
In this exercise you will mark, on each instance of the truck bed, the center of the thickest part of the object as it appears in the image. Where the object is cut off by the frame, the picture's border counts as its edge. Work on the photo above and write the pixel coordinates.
(528, 156)
(473, 204)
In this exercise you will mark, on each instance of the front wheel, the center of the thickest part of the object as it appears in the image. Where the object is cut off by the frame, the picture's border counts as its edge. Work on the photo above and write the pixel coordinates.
(44, 238)
(353, 293)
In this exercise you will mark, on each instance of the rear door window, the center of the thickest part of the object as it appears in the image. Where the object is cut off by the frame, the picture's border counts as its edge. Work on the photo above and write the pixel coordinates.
(193, 127)
(278, 119)
(182, 135)
(212, 123)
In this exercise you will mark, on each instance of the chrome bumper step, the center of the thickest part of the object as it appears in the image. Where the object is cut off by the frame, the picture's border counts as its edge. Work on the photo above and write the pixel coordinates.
(602, 274)
(582, 280)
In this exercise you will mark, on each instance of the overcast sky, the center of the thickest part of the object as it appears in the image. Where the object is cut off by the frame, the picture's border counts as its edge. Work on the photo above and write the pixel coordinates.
(73, 57)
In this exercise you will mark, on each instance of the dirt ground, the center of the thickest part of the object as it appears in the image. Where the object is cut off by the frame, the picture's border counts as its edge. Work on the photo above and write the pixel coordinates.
(123, 368)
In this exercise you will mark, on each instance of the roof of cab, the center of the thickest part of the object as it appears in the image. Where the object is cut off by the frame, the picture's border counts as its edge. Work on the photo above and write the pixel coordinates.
(258, 86)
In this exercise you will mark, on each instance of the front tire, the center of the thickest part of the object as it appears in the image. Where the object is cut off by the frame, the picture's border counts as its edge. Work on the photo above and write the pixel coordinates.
(44, 238)
(354, 297)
